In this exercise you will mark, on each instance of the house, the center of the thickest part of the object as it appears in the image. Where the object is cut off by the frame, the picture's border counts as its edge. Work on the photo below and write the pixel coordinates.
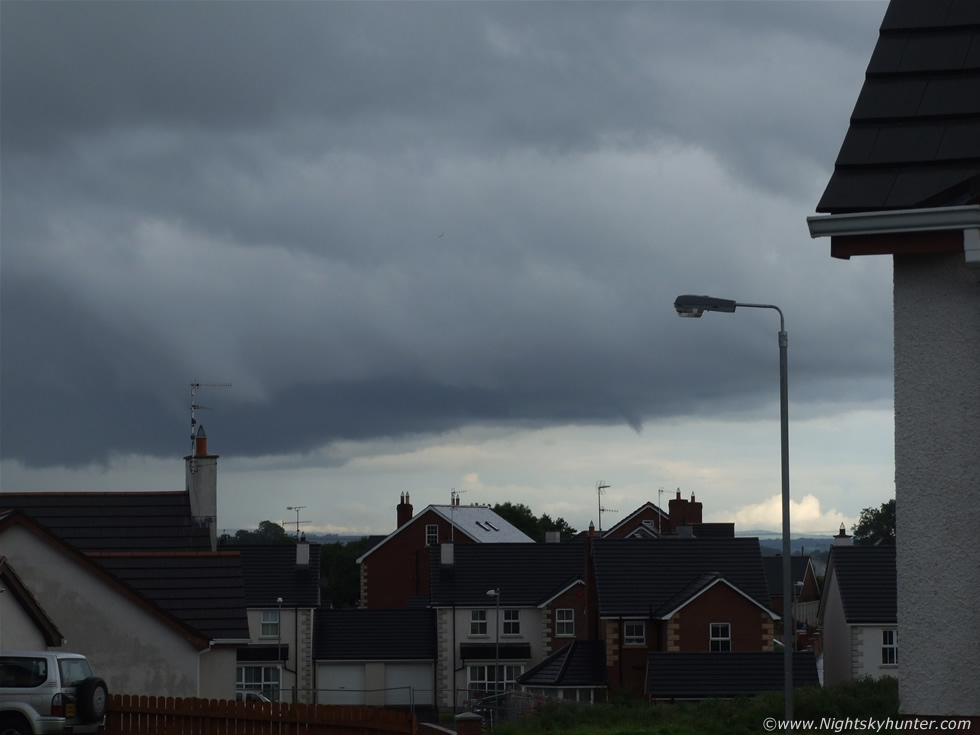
(680, 594)
(906, 184)
(282, 597)
(858, 612)
(704, 675)
(683, 516)
(23, 622)
(166, 623)
(806, 592)
(395, 572)
(376, 657)
(500, 609)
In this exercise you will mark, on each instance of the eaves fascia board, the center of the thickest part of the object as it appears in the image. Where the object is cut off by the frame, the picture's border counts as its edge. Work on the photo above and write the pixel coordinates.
(894, 221)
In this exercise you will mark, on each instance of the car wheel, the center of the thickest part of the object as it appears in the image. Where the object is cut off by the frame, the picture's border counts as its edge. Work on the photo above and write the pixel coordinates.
(93, 699)
(14, 726)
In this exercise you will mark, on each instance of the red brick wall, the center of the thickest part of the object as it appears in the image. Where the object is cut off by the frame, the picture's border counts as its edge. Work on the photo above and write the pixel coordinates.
(574, 599)
(720, 604)
(647, 514)
(398, 569)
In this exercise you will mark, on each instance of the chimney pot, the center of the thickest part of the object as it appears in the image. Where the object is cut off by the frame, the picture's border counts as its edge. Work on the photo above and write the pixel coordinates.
(591, 529)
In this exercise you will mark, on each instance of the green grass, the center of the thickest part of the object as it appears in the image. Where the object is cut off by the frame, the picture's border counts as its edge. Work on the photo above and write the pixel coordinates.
(868, 698)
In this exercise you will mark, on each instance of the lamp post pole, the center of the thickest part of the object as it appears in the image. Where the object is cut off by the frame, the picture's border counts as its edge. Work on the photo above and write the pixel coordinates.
(695, 306)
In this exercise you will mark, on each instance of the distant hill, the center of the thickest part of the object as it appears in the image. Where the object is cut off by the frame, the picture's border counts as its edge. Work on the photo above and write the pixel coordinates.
(331, 538)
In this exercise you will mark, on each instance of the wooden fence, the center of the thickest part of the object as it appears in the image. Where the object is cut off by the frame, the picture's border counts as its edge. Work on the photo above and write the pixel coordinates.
(134, 715)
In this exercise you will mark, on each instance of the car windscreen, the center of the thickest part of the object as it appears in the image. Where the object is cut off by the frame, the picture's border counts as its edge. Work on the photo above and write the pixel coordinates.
(23, 671)
(74, 671)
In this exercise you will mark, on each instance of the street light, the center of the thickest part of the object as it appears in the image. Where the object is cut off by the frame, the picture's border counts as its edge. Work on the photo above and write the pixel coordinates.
(496, 664)
(695, 306)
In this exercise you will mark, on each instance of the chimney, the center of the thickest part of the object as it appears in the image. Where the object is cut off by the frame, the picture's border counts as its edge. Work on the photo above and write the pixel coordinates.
(302, 552)
(694, 512)
(842, 539)
(404, 510)
(591, 529)
(201, 483)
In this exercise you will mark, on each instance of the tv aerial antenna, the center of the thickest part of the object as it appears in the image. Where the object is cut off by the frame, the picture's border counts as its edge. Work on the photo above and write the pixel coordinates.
(600, 490)
(297, 522)
(195, 386)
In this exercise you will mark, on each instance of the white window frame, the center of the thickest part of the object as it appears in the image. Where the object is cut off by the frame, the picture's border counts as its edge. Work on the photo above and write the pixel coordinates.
(633, 638)
(269, 624)
(512, 627)
(478, 623)
(263, 678)
(720, 637)
(565, 622)
(478, 679)
(889, 647)
(432, 534)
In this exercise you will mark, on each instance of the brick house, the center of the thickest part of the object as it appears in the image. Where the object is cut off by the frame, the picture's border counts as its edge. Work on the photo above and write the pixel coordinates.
(395, 572)
(680, 594)
(683, 517)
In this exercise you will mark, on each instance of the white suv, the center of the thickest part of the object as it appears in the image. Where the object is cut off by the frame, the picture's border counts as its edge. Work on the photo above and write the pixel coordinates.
(46, 692)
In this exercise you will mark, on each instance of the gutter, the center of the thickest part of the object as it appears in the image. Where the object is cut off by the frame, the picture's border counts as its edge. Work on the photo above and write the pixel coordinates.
(964, 218)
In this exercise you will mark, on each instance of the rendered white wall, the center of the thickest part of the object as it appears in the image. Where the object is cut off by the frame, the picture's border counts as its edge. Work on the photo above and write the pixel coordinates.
(127, 646)
(17, 629)
(937, 478)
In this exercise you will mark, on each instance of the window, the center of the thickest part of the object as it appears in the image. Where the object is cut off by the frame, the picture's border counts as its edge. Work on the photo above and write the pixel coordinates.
(432, 535)
(889, 648)
(721, 637)
(23, 672)
(565, 621)
(263, 679)
(512, 622)
(482, 679)
(270, 624)
(634, 633)
(478, 622)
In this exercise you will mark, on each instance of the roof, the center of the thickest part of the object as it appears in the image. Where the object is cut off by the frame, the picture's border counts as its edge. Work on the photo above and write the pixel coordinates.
(478, 522)
(774, 572)
(158, 521)
(639, 578)
(578, 664)
(527, 575)
(271, 572)
(704, 675)
(694, 590)
(205, 590)
(647, 506)
(914, 135)
(867, 582)
(15, 586)
(374, 635)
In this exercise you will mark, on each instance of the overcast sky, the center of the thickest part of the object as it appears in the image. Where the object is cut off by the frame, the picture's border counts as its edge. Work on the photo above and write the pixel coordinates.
(435, 246)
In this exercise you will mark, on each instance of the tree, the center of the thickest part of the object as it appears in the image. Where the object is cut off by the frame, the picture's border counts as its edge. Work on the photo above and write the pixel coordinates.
(267, 533)
(875, 524)
(339, 570)
(523, 518)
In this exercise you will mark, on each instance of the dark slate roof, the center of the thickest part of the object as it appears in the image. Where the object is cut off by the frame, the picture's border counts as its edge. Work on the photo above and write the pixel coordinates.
(705, 675)
(526, 574)
(914, 136)
(635, 577)
(867, 582)
(374, 635)
(271, 572)
(579, 664)
(115, 521)
(774, 572)
(204, 590)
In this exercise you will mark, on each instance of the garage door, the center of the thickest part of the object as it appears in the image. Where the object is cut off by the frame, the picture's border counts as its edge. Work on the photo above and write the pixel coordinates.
(340, 684)
(405, 681)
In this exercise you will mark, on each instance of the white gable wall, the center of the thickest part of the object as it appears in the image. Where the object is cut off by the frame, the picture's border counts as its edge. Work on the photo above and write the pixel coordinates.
(937, 478)
(129, 647)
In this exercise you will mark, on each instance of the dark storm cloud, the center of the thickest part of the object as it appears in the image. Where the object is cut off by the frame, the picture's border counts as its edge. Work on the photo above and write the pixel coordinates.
(380, 219)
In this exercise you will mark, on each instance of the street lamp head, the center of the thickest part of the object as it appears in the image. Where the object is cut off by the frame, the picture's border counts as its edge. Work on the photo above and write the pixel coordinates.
(695, 306)
(493, 593)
